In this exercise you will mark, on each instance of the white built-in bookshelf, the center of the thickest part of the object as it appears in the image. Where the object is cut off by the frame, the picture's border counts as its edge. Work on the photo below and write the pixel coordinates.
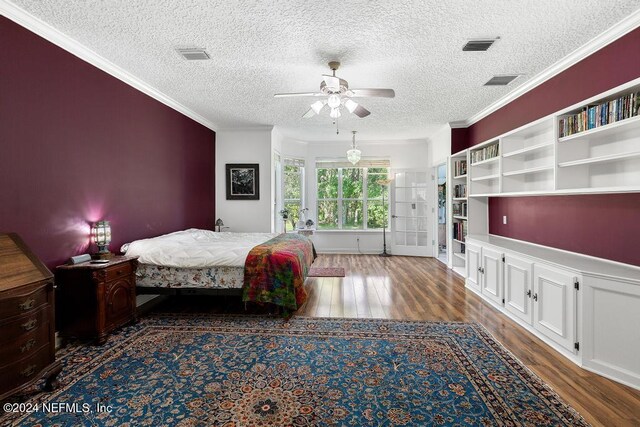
(459, 210)
(590, 147)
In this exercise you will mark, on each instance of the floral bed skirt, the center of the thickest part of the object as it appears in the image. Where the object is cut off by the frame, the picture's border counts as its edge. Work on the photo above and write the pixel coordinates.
(155, 276)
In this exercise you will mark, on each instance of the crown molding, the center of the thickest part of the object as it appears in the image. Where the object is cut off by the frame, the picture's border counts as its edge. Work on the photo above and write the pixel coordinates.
(458, 124)
(247, 128)
(46, 31)
(623, 27)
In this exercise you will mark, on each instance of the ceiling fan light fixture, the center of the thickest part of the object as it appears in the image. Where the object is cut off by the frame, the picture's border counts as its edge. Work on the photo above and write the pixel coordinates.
(350, 105)
(335, 113)
(333, 101)
(317, 106)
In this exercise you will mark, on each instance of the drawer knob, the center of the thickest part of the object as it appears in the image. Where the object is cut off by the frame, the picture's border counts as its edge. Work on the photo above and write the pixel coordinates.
(28, 345)
(28, 371)
(28, 304)
(29, 325)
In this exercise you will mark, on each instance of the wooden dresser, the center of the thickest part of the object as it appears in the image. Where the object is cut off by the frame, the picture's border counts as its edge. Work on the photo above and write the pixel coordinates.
(27, 329)
(94, 299)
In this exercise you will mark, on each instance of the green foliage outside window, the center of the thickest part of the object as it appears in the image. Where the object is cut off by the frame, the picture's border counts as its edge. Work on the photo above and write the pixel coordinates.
(354, 203)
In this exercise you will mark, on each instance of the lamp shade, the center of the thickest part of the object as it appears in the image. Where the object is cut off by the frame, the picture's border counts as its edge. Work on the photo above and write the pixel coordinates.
(219, 222)
(354, 155)
(101, 233)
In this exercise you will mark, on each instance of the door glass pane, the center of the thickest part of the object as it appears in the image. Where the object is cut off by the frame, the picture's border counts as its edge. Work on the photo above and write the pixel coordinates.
(401, 195)
(411, 224)
(399, 238)
(422, 224)
(327, 214)
(400, 179)
(352, 214)
(423, 239)
(421, 209)
(402, 209)
(400, 224)
(421, 179)
(411, 239)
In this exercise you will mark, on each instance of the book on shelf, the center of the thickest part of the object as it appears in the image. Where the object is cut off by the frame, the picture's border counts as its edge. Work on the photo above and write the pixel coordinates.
(459, 167)
(459, 231)
(485, 153)
(460, 209)
(460, 191)
(594, 116)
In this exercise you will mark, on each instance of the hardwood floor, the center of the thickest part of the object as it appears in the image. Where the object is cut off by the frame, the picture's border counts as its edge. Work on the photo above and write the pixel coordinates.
(412, 288)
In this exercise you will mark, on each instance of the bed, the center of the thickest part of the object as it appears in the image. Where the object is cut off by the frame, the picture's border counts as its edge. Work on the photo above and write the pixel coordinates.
(263, 267)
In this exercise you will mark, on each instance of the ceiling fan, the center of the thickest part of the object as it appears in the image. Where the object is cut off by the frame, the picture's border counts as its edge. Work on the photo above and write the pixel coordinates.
(338, 95)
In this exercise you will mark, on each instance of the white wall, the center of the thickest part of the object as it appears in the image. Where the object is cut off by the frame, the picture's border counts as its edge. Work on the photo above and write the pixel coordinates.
(440, 144)
(404, 154)
(245, 146)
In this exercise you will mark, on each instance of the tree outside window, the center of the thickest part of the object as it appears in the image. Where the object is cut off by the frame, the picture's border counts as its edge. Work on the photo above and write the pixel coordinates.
(293, 188)
(350, 198)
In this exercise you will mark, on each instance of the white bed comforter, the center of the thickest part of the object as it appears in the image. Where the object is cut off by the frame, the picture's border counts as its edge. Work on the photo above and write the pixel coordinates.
(196, 248)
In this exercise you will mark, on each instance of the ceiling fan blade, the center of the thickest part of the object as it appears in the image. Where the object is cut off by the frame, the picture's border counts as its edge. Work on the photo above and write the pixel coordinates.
(287, 95)
(310, 113)
(373, 93)
(332, 82)
(361, 112)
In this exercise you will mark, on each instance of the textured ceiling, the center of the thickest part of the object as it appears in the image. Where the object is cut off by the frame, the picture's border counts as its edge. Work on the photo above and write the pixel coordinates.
(259, 48)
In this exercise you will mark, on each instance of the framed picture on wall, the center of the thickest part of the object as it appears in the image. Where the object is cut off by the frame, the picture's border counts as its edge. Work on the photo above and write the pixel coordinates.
(243, 181)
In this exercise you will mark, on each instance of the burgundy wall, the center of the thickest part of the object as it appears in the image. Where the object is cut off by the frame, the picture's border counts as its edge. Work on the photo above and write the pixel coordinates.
(605, 226)
(77, 146)
(601, 225)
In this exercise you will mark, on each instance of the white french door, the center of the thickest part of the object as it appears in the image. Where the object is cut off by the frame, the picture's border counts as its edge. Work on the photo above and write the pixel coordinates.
(411, 213)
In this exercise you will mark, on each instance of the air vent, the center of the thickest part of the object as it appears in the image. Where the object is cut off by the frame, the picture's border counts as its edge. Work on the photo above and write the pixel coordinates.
(193, 54)
(481, 45)
(502, 80)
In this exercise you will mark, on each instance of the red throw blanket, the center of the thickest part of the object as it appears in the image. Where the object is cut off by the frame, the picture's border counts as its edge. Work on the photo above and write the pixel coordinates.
(274, 271)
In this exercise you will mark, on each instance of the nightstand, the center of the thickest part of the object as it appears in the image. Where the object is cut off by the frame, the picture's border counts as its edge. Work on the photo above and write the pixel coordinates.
(95, 299)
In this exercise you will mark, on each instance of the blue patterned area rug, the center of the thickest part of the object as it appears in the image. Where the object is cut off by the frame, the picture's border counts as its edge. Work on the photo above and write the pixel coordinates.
(202, 370)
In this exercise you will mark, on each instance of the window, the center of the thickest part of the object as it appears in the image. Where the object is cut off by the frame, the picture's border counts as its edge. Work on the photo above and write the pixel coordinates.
(293, 188)
(350, 198)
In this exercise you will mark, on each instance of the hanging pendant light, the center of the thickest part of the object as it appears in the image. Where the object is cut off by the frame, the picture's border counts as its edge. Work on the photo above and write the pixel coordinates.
(353, 154)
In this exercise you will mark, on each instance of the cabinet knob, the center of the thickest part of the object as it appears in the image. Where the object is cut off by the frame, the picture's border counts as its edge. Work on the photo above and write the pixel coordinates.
(535, 297)
(529, 293)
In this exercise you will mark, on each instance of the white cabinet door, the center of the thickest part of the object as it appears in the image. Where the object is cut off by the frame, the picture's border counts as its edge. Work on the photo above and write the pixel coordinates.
(518, 287)
(473, 266)
(554, 304)
(491, 283)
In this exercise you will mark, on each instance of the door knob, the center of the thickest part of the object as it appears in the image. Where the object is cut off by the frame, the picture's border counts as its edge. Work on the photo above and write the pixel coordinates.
(394, 216)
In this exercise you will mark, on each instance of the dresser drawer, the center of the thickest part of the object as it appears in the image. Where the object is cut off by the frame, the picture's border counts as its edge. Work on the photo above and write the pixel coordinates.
(25, 345)
(24, 303)
(20, 326)
(25, 369)
(118, 271)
